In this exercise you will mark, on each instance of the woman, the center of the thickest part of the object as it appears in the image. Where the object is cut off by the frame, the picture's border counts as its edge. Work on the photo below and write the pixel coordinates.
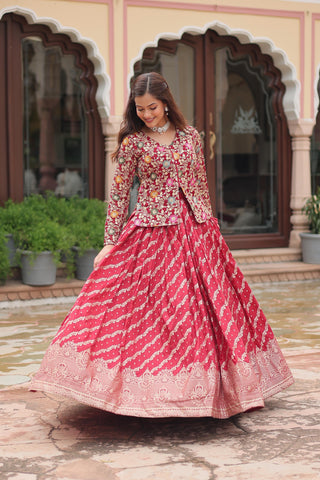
(165, 325)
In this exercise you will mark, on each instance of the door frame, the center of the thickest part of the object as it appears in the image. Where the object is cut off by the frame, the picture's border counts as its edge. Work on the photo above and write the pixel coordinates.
(15, 27)
(283, 145)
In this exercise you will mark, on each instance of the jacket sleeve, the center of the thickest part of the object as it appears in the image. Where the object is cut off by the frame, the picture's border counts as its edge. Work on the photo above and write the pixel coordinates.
(201, 171)
(120, 191)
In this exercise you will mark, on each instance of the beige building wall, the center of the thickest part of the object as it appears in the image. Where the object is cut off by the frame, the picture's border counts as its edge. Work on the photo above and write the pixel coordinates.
(115, 33)
(118, 30)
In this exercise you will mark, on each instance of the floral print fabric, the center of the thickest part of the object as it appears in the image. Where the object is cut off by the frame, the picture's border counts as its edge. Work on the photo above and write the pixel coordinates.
(162, 170)
(166, 326)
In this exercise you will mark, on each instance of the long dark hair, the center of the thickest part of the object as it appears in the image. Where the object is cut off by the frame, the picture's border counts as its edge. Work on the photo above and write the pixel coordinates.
(154, 84)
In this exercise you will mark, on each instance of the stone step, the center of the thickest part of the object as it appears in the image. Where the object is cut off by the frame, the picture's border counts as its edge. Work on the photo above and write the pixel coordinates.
(267, 255)
(258, 266)
(274, 265)
(14, 290)
(279, 271)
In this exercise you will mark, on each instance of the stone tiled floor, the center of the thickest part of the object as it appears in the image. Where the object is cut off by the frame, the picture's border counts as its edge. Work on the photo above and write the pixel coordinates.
(46, 437)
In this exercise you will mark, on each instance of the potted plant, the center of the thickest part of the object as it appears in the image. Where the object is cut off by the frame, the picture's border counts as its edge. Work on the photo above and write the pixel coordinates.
(39, 250)
(310, 241)
(4, 258)
(47, 229)
(40, 240)
(62, 211)
(8, 222)
(87, 228)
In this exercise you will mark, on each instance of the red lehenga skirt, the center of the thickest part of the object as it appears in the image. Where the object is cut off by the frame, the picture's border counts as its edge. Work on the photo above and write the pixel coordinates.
(166, 326)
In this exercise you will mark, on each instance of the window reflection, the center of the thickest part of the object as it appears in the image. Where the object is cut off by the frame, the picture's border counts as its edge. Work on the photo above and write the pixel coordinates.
(244, 149)
(178, 69)
(55, 127)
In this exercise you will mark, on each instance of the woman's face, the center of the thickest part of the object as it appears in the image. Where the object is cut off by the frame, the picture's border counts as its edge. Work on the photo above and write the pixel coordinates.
(151, 111)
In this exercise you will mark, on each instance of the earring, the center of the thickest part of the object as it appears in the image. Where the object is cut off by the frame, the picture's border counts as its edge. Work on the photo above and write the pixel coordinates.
(166, 110)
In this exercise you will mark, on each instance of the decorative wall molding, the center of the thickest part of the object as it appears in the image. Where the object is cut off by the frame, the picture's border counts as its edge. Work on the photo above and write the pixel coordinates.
(103, 90)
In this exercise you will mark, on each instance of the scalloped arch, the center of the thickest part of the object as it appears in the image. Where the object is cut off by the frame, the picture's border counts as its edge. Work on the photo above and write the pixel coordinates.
(291, 100)
(103, 80)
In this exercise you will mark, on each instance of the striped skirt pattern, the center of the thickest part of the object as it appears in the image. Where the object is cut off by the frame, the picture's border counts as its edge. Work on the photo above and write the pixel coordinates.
(166, 326)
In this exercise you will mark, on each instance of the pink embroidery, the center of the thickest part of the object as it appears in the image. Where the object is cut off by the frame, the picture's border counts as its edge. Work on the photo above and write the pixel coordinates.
(173, 219)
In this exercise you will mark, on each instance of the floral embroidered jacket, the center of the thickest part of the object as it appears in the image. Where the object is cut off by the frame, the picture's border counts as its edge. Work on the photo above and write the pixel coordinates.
(162, 170)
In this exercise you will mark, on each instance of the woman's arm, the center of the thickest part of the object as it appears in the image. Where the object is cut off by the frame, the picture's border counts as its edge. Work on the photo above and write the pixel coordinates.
(201, 171)
(120, 190)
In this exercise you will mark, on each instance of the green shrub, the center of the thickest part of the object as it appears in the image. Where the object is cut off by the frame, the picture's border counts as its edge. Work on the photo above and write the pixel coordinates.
(88, 222)
(4, 258)
(312, 210)
(48, 223)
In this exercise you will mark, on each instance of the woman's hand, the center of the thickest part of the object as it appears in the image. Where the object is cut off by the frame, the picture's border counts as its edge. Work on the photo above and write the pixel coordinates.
(103, 253)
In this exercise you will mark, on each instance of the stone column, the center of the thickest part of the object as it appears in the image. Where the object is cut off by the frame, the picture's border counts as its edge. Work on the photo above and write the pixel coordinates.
(300, 131)
(110, 128)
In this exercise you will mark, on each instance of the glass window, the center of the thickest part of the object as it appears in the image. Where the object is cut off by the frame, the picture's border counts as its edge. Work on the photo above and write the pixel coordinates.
(55, 150)
(178, 69)
(246, 179)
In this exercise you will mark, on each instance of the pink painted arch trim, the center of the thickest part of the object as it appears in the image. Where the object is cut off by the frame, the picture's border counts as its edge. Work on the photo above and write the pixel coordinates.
(104, 97)
(294, 97)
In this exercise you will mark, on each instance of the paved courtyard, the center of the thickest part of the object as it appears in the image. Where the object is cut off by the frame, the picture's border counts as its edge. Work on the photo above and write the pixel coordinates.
(49, 437)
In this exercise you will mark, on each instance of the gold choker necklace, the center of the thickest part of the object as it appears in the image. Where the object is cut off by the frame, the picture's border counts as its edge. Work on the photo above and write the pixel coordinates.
(161, 130)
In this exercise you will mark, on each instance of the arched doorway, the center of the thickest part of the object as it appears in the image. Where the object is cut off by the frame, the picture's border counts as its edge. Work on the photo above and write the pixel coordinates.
(233, 94)
(50, 129)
